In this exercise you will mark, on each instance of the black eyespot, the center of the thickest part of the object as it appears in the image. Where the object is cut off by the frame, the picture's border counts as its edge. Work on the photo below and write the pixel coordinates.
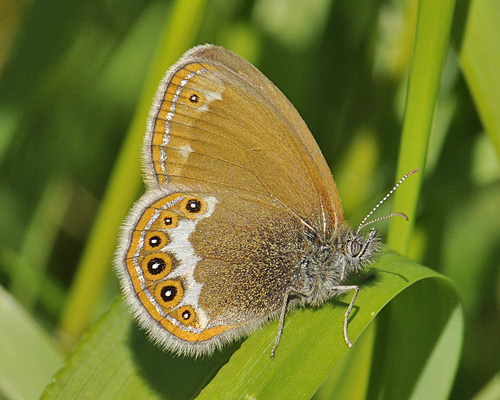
(194, 98)
(168, 293)
(154, 241)
(156, 266)
(168, 221)
(186, 314)
(193, 206)
(355, 248)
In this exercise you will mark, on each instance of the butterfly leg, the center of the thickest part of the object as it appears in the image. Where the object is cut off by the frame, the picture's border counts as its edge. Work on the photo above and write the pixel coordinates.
(365, 277)
(282, 320)
(342, 289)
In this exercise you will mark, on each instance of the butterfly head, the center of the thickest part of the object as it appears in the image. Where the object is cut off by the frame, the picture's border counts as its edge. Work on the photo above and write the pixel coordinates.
(331, 261)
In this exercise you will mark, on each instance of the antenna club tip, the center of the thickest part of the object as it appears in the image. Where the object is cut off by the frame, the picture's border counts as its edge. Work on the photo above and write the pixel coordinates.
(413, 171)
(403, 215)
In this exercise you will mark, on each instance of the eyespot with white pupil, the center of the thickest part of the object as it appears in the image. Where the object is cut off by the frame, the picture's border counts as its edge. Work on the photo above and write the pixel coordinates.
(194, 98)
(168, 293)
(193, 206)
(167, 220)
(186, 316)
(155, 241)
(156, 266)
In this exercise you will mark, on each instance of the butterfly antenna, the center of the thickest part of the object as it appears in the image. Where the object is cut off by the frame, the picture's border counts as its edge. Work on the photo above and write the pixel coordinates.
(364, 223)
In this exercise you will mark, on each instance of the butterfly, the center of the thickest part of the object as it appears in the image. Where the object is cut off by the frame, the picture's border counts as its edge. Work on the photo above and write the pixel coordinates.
(241, 219)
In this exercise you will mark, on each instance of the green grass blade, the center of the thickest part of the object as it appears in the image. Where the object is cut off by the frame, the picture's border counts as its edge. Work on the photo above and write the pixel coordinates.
(125, 180)
(115, 360)
(351, 376)
(491, 391)
(31, 263)
(431, 44)
(28, 357)
(480, 58)
(411, 360)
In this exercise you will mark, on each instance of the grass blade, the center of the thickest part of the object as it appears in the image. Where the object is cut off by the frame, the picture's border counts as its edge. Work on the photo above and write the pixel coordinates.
(28, 357)
(431, 44)
(480, 58)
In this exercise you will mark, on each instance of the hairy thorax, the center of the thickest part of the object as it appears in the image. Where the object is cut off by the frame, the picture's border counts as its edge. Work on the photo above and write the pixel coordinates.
(330, 260)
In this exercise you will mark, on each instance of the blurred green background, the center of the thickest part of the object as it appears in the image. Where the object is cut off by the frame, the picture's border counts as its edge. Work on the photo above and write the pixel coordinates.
(75, 75)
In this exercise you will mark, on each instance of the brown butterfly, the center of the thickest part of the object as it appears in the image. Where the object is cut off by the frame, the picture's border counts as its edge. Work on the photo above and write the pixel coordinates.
(241, 219)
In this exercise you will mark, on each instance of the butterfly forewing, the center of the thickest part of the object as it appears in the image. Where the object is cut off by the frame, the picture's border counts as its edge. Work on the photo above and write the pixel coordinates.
(216, 129)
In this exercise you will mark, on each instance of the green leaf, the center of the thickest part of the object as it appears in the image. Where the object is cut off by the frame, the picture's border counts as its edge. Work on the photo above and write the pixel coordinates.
(115, 360)
(28, 357)
(350, 376)
(491, 391)
(480, 58)
(431, 44)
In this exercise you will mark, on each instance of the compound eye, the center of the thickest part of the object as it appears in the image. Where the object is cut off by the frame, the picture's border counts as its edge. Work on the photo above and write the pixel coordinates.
(355, 248)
